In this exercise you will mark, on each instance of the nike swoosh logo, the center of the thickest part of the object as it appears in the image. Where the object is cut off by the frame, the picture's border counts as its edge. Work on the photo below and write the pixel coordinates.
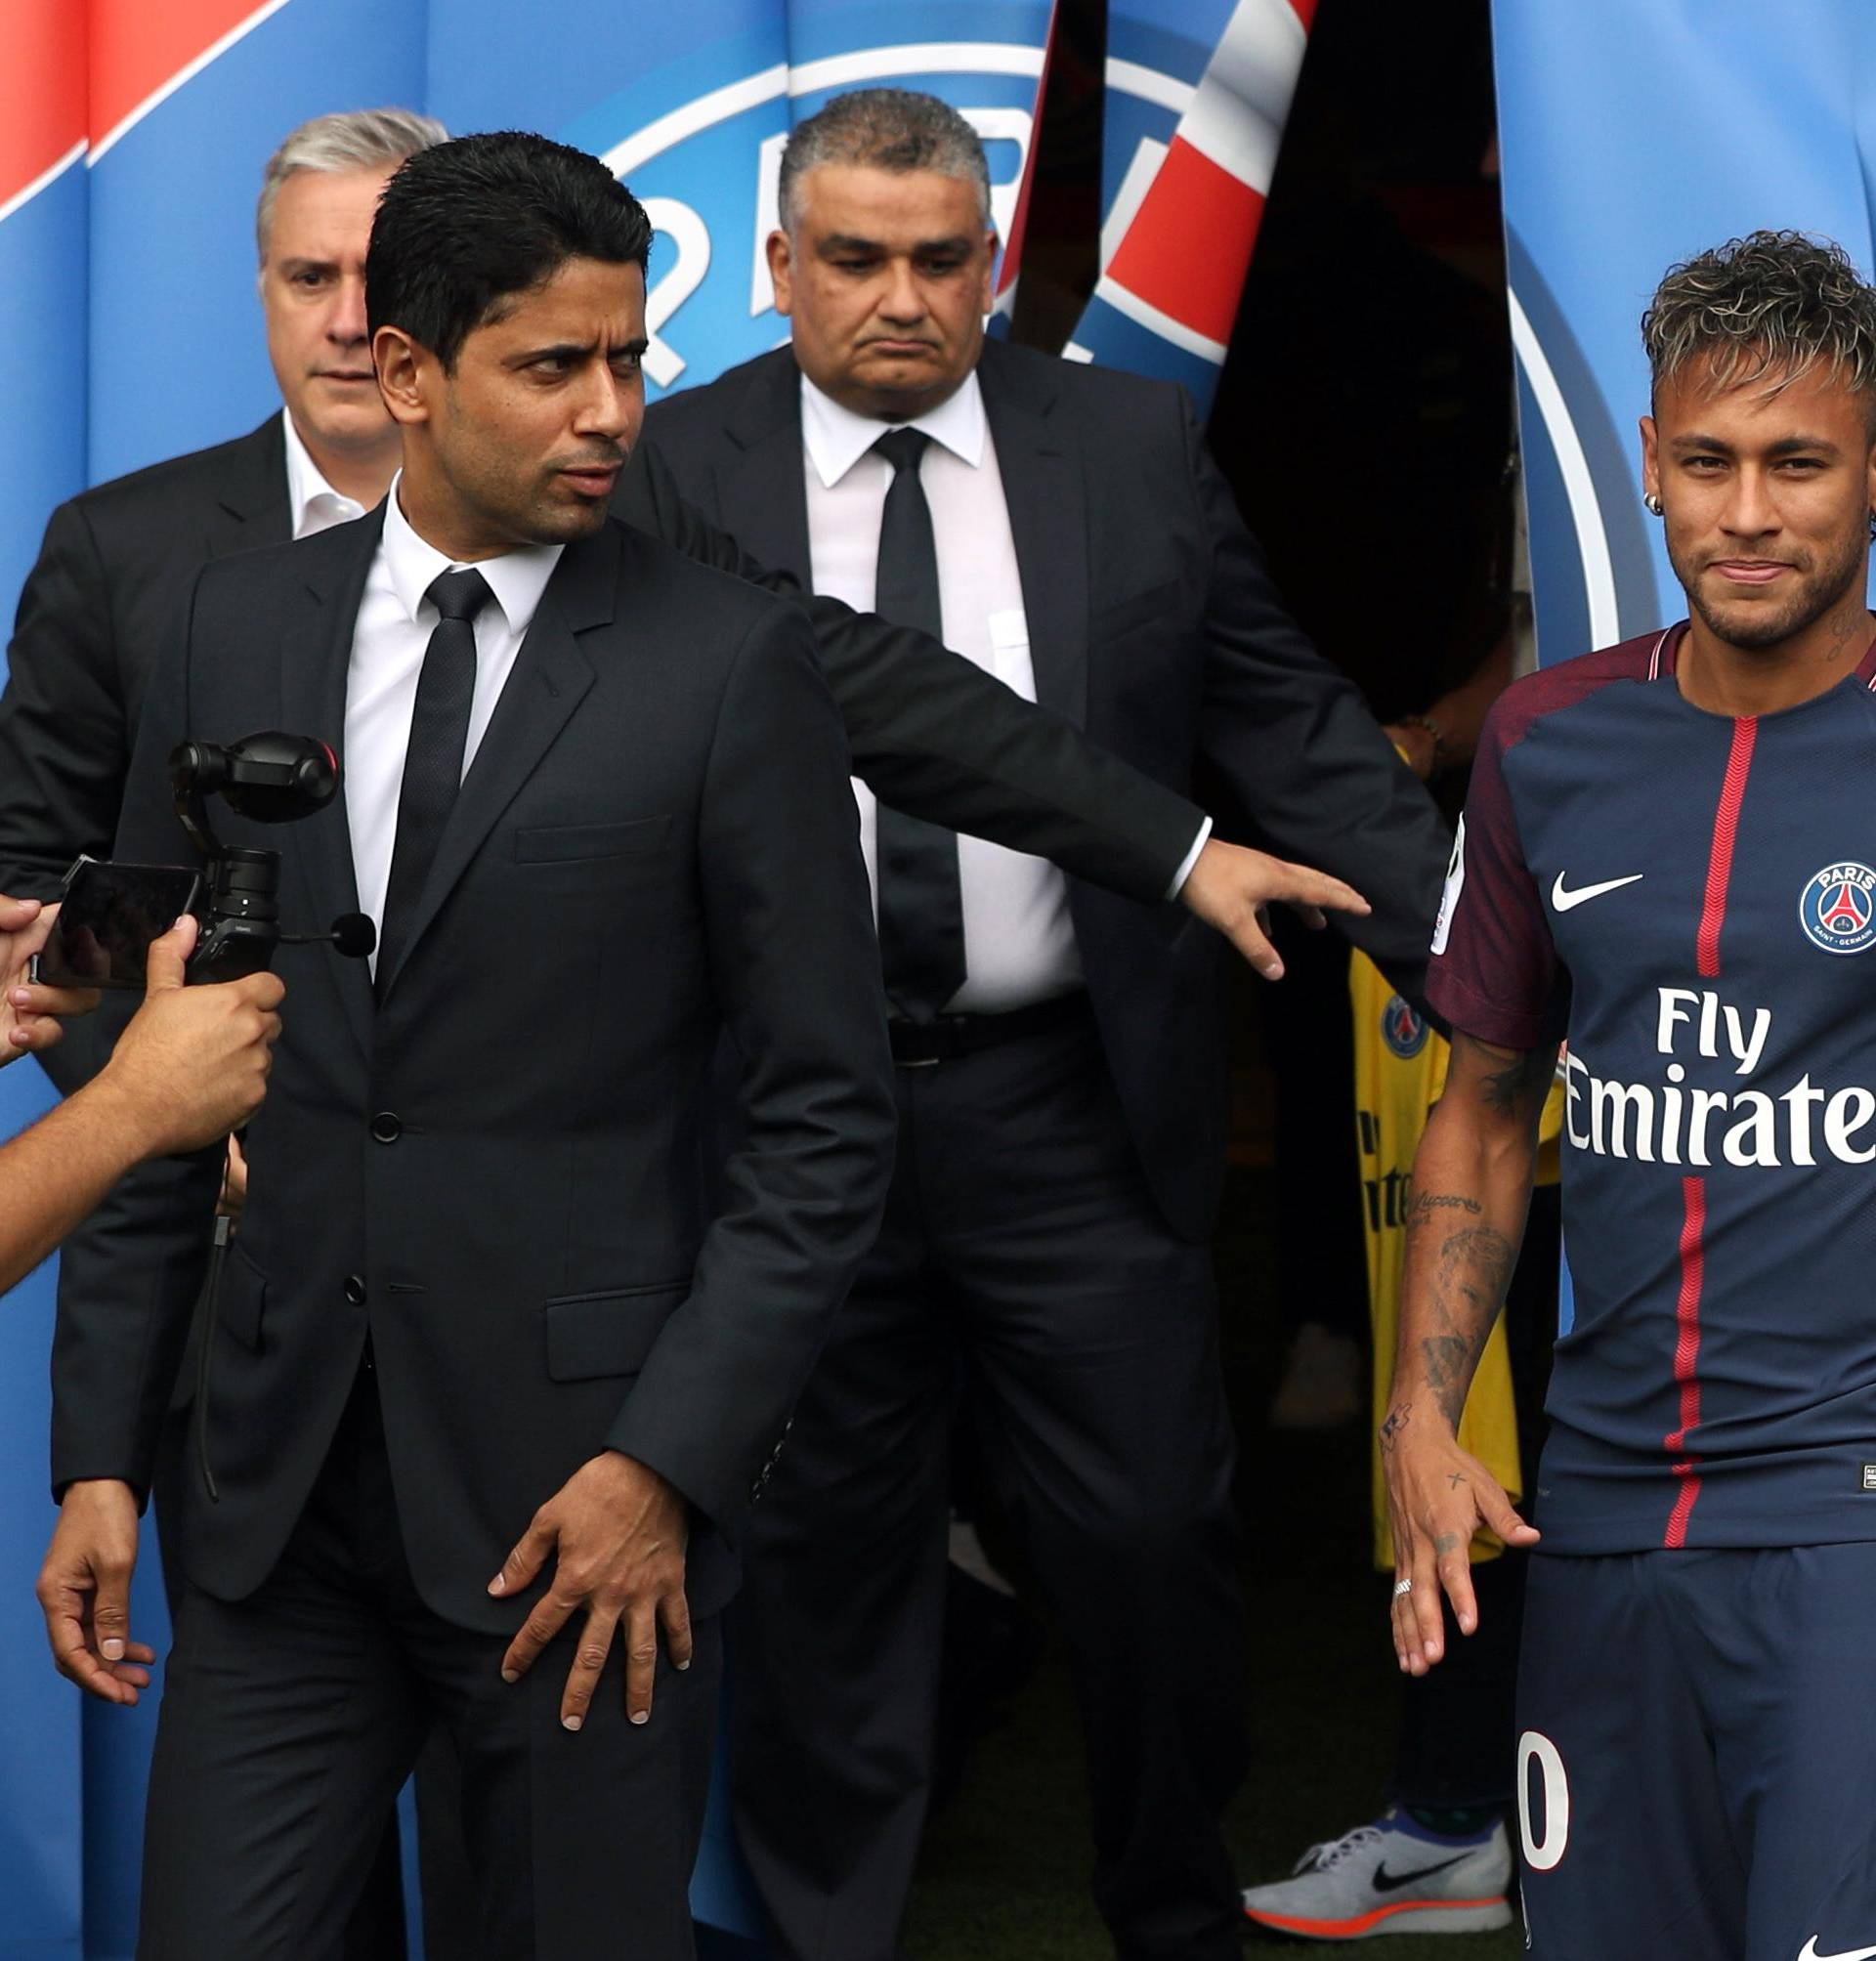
(1811, 1953)
(1564, 901)
(1389, 1882)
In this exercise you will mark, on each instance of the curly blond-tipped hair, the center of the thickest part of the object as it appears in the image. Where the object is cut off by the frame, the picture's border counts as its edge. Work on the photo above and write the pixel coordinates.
(1764, 311)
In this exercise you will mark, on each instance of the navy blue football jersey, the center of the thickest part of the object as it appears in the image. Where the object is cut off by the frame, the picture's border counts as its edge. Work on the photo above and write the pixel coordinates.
(1690, 901)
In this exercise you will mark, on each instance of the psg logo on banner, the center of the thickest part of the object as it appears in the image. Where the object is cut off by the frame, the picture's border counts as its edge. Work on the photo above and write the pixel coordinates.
(1838, 910)
(1403, 1030)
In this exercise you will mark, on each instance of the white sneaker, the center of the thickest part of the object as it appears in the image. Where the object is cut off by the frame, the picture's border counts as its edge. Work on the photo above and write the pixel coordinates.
(1391, 1877)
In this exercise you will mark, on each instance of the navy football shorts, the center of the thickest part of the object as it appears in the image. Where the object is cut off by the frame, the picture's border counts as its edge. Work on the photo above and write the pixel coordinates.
(1697, 1756)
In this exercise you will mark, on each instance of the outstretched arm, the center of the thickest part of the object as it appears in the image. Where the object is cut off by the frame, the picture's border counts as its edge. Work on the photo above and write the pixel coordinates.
(1303, 760)
(935, 735)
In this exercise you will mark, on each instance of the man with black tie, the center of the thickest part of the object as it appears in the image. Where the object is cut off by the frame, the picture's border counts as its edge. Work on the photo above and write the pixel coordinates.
(1061, 1069)
(492, 1390)
(934, 732)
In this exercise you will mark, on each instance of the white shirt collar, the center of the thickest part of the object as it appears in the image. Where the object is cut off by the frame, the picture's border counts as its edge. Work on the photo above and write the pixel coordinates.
(836, 438)
(312, 502)
(517, 578)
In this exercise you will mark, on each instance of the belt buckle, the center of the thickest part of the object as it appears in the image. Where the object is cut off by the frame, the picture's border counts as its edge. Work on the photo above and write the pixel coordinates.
(942, 1035)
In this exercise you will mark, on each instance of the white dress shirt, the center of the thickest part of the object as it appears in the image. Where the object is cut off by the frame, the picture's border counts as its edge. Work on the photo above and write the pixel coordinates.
(388, 645)
(312, 502)
(1019, 944)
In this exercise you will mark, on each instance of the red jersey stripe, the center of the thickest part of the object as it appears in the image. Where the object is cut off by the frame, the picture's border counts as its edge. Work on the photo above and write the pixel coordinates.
(1725, 831)
(1686, 1354)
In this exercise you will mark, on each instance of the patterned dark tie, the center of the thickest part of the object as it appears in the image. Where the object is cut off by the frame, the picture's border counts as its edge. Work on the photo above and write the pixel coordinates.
(433, 763)
(921, 917)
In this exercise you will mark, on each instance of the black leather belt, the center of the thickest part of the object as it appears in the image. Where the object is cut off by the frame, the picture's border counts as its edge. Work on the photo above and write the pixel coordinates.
(919, 1044)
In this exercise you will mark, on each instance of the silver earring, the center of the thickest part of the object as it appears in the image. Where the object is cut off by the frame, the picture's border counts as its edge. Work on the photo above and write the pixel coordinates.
(1655, 506)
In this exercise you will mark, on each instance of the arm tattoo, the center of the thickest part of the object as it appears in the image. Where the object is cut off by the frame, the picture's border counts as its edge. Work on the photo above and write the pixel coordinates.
(1510, 1083)
(1424, 1206)
(1448, 1359)
(1458, 1264)
(1472, 1266)
(1396, 1422)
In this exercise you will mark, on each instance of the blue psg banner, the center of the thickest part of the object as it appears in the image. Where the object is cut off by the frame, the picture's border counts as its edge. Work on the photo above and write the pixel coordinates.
(132, 138)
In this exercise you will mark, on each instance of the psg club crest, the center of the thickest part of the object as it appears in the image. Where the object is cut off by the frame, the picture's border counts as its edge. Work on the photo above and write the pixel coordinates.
(1838, 910)
(1403, 1030)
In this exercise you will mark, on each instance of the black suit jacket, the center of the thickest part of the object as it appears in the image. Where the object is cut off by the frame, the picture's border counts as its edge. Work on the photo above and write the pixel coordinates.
(927, 729)
(1155, 627)
(116, 568)
(496, 1170)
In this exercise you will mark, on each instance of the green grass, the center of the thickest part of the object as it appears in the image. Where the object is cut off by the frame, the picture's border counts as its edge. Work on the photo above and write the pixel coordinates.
(1005, 1872)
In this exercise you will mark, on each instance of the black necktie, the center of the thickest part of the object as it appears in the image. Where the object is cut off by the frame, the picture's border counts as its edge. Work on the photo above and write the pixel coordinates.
(922, 917)
(433, 763)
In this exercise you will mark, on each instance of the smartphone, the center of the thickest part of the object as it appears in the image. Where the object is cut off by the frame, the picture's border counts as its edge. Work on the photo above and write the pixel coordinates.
(106, 919)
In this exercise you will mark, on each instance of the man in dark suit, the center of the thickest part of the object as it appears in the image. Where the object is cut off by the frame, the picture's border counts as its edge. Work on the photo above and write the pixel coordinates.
(491, 1391)
(1062, 1074)
(932, 731)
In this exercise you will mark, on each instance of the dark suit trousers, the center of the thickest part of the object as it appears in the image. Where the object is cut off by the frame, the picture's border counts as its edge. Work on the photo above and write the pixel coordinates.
(375, 1931)
(290, 1718)
(1019, 1238)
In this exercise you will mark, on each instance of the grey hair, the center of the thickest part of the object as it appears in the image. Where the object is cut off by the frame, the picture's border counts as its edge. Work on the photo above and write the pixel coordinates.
(890, 129)
(1766, 308)
(349, 140)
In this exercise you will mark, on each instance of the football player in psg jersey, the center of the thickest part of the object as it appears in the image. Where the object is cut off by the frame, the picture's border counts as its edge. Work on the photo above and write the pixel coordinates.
(1668, 863)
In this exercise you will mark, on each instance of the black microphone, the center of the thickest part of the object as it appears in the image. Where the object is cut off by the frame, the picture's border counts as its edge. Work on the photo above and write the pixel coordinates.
(352, 933)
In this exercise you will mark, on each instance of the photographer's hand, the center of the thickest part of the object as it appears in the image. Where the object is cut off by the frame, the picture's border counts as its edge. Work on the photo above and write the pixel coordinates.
(193, 1062)
(29, 1014)
(234, 1182)
(191, 1066)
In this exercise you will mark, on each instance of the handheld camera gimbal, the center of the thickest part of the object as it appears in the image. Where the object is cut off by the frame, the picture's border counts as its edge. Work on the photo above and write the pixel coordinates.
(269, 778)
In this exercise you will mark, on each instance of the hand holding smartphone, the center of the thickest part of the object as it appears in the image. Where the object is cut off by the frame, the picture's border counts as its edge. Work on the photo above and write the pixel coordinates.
(107, 920)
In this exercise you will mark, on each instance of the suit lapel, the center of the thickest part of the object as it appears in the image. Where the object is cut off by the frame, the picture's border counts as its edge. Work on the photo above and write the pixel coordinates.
(252, 496)
(1040, 466)
(551, 674)
(760, 486)
(315, 654)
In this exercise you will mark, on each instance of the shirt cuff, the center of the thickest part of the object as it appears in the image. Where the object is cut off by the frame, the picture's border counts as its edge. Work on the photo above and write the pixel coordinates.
(1190, 859)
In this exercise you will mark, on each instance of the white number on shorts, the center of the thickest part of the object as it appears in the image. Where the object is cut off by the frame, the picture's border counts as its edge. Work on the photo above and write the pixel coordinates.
(1534, 1747)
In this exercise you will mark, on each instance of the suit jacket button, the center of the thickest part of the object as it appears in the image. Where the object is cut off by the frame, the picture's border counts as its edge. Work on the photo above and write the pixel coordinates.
(386, 1127)
(354, 1289)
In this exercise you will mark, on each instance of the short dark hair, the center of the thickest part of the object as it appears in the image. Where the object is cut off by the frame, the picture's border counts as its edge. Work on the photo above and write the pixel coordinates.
(898, 130)
(464, 225)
